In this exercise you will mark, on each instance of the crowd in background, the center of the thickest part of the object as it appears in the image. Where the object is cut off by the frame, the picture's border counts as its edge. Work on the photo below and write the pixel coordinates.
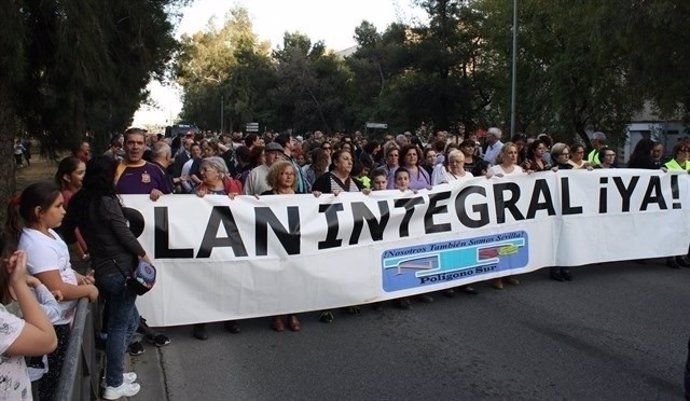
(102, 249)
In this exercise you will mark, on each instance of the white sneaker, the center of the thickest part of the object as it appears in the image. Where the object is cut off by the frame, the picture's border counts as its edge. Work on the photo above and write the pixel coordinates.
(127, 378)
(125, 390)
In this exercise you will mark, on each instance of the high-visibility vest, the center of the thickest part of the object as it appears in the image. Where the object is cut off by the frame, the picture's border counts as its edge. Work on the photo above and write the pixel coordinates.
(673, 165)
(593, 158)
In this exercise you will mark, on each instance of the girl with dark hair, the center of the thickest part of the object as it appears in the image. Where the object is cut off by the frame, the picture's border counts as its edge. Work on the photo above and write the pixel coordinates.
(641, 156)
(30, 228)
(535, 160)
(115, 251)
(70, 177)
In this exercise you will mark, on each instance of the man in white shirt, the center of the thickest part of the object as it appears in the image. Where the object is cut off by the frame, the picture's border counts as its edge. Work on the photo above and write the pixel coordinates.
(495, 145)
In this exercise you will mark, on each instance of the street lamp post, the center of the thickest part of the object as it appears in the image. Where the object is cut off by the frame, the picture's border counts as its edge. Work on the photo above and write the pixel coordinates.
(513, 84)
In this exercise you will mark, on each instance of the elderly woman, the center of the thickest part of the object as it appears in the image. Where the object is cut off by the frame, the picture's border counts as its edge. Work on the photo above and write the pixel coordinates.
(411, 160)
(282, 179)
(454, 169)
(560, 155)
(215, 180)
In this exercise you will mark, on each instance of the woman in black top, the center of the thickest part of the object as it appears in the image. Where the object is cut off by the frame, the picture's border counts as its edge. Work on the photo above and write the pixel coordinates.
(115, 251)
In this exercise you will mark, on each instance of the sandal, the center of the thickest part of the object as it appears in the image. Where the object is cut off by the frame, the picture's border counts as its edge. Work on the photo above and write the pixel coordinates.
(278, 324)
(294, 324)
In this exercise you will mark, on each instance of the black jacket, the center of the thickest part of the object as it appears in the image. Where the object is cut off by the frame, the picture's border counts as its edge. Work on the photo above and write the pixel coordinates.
(105, 230)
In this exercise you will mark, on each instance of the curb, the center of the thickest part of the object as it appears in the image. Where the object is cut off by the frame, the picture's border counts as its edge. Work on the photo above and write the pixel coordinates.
(149, 369)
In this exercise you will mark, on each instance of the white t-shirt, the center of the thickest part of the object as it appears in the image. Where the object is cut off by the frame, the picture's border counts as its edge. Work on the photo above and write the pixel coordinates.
(14, 380)
(43, 254)
(498, 169)
(443, 176)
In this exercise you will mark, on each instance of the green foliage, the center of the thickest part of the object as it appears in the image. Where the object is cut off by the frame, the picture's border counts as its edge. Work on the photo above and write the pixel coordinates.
(581, 65)
(79, 66)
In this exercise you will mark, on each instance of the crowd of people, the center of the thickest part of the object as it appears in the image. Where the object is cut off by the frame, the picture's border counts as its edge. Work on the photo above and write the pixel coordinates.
(68, 239)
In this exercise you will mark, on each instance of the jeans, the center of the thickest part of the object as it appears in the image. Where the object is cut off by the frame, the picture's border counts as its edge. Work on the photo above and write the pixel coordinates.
(123, 320)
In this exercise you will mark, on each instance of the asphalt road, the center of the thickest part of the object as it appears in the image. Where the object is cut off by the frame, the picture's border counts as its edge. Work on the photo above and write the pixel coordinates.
(617, 332)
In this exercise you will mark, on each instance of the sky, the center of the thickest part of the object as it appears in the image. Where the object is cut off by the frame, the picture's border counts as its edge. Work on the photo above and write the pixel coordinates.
(332, 21)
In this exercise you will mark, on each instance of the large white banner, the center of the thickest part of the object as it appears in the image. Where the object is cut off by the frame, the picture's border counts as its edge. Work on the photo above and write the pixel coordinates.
(221, 259)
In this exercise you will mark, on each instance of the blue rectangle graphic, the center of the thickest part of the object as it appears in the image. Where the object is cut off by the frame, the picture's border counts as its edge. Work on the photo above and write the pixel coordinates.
(426, 264)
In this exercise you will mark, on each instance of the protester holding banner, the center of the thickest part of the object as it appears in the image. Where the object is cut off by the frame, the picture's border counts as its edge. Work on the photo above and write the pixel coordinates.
(679, 159)
(680, 162)
(607, 158)
(333, 182)
(216, 180)
(577, 156)
(535, 157)
(507, 165)
(473, 162)
(282, 179)
(454, 170)
(136, 176)
(97, 212)
(411, 161)
(379, 179)
(338, 179)
(560, 155)
(507, 162)
(289, 147)
(40, 208)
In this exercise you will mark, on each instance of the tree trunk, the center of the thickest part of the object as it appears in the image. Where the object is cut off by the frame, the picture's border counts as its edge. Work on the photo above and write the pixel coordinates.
(8, 128)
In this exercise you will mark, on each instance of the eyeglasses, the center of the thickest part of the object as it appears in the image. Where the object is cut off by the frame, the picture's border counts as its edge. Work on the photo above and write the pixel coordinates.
(565, 154)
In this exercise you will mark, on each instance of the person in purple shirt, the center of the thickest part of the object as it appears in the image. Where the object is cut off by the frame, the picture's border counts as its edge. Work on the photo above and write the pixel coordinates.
(410, 159)
(135, 175)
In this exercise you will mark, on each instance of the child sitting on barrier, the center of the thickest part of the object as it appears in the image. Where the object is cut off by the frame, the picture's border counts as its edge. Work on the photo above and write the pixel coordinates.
(31, 336)
(37, 366)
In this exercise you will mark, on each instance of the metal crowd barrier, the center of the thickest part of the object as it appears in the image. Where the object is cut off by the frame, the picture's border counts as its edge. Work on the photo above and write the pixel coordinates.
(79, 380)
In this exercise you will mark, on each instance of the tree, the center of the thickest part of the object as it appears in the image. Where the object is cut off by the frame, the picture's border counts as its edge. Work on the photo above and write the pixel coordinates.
(573, 66)
(312, 86)
(76, 66)
(221, 65)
